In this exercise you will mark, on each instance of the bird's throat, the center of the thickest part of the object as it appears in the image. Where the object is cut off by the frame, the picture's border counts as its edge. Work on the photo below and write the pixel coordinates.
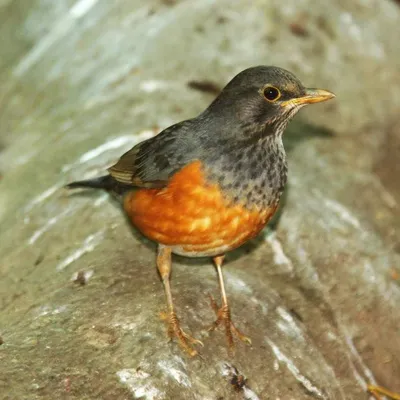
(253, 173)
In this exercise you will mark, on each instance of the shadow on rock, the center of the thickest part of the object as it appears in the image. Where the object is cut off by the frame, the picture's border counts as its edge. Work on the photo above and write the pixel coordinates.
(299, 131)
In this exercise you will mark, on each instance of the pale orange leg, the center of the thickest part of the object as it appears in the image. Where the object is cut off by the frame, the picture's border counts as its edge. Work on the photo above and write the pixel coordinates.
(223, 313)
(174, 329)
(376, 391)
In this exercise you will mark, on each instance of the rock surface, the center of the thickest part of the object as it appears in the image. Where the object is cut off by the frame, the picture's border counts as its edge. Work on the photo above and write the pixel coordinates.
(318, 292)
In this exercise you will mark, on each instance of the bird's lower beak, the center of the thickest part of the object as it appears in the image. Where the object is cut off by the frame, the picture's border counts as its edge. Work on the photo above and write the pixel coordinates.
(311, 96)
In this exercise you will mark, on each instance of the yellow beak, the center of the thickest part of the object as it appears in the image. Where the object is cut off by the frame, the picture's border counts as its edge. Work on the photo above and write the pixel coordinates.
(311, 96)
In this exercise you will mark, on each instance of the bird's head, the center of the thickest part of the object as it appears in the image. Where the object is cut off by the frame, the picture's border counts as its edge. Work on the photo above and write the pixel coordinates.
(265, 98)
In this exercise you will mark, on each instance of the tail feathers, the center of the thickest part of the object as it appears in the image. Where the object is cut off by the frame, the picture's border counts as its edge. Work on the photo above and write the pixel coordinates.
(106, 182)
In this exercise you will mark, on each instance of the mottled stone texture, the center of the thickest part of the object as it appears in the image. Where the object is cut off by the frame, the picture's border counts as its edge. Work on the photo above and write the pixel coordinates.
(81, 82)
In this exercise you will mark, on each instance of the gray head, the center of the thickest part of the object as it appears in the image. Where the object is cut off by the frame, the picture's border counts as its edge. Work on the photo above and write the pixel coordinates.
(265, 96)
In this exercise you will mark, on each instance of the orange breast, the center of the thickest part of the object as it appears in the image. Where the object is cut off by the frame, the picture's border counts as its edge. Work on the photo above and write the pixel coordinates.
(192, 216)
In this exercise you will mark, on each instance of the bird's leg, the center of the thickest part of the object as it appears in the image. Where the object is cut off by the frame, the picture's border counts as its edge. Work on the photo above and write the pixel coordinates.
(174, 329)
(223, 313)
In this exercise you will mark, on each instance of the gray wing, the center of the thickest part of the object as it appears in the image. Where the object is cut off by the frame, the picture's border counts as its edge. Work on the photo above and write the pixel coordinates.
(152, 162)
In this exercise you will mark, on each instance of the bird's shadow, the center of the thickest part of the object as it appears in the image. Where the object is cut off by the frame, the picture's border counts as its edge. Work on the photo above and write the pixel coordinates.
(300, 131)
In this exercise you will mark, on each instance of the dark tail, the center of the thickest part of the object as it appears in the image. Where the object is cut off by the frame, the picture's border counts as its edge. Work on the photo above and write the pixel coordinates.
(103, 182)
(106, 182)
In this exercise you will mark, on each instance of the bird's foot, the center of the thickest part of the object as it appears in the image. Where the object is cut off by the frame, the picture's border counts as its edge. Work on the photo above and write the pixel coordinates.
(376, 391)
(175, 330)
(224, 318)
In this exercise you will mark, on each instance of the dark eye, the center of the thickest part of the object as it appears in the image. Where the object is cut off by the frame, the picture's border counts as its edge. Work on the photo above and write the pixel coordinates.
(271, 93)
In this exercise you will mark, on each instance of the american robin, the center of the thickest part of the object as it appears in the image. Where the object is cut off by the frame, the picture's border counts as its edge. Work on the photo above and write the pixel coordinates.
(205, 186)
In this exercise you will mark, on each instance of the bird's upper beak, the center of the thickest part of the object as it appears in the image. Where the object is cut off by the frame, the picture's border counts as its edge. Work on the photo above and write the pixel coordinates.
(311, 96)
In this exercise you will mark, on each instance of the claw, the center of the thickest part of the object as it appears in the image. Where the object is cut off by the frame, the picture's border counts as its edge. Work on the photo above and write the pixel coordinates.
(174, 330)
(224, 317)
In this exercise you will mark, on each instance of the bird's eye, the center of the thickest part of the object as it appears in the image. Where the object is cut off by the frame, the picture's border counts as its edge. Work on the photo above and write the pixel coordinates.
(271, 93)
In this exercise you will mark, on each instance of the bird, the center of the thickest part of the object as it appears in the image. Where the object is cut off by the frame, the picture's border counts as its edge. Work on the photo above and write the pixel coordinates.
(207, 185)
